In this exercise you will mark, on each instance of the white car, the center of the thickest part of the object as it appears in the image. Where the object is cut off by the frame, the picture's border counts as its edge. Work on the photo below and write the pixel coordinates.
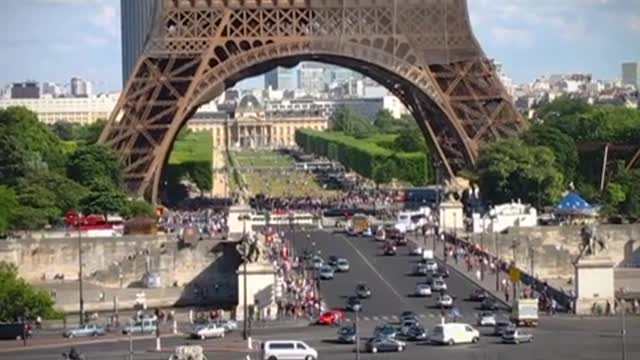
(431, 265)
(416, 251)
(439, 285)
(228, 325)
(445, 301)
(343, 265)
(287, 349)
(318, 262)
(326, 272)
(487, 319)
(208, 331)
(423, 290)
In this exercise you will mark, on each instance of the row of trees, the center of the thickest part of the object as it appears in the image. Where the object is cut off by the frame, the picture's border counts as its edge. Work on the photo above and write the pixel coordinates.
(41, 178)
(545, 160)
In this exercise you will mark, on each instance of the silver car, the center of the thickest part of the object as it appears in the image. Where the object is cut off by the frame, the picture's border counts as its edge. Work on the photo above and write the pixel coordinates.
(516, 336)
(326, 272)
(343, 265)
(85, 330)
(228, 325)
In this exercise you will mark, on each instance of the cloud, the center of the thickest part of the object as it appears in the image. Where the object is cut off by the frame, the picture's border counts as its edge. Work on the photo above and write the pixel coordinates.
(105, 18)
(506, 36)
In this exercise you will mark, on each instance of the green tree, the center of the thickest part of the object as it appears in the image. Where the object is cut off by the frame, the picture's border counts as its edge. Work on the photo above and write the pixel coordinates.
(37, 207)
(563, 147)
(19, 299)
(89, 134)
(138, 207)
(510, 169)
(104, 198)
(561, 107)
(67, 193)
(65, 130)
(384, 173)
(91, 163)
(352, 123)
(385, 122)
(410, 140)
(26, 145)
(8, 205)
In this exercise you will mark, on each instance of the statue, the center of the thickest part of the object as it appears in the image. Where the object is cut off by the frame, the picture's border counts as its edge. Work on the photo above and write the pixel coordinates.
(591, 243)
(251, 250)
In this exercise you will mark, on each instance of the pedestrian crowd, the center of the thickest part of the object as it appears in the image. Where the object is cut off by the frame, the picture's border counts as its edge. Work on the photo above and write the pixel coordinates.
(205, 222)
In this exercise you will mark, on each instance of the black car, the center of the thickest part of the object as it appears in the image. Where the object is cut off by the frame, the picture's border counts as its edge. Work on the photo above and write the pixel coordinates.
(489, 304)
(333, 261)
(442, 272)
(363, 291)
(375, 345)
(416, 333)
(347, 335)
(354, 303)
(478, 295)
(502, 327)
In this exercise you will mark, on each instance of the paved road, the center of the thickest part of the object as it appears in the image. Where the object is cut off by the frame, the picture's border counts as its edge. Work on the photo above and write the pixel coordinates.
(388, 276)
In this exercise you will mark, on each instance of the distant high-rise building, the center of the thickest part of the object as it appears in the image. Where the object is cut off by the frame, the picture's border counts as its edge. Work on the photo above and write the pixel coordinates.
(631, 74)
(81, 87)
(51, 89)
(25, 90)
(136, 18)
(310, 78)
(280, 79)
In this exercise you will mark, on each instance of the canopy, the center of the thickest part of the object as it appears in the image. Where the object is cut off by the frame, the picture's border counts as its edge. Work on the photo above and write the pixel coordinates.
(574, 204)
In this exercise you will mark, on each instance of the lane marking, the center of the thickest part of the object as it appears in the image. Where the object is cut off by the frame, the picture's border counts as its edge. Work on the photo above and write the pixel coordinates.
(366, 261)
(366, 318)
(385, 318)
(375, 318)
(394, 317)
(423, 316)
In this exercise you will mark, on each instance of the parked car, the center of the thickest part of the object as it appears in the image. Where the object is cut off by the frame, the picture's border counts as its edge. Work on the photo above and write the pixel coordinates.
(363, 291)
(423, 290)
(207, 331)
(143, 326)
(385, 344)
(85, 330)
(331, 317)
(487, 319)
(516, 336)
(343, 265)
(228, 325)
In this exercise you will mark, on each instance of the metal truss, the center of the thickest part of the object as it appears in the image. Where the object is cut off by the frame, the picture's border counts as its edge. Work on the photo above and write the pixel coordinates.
(423, 51)
(612, 155)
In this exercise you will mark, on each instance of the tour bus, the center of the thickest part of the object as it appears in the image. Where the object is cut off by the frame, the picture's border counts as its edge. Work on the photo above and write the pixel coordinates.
(411, 221)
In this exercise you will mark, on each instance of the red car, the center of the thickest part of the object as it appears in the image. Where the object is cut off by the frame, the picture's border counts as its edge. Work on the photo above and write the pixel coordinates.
(331, 317)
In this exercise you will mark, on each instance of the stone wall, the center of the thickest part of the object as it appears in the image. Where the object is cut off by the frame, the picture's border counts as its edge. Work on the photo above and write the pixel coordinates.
(551, 250)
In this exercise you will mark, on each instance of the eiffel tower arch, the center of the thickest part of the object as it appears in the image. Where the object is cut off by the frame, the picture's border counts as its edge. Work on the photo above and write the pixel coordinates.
(423, 51)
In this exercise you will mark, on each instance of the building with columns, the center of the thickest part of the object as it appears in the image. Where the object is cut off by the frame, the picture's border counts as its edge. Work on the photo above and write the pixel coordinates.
(252, 126)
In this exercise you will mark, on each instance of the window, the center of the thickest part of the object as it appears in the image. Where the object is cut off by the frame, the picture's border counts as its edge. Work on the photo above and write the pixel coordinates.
(300, 346)
(281, 346)
(468, 328)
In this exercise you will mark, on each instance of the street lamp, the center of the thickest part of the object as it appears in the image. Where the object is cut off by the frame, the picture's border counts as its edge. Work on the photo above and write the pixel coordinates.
(357, 311)
(623, 331)
(482, 248)
(80, 288)
(244, 252)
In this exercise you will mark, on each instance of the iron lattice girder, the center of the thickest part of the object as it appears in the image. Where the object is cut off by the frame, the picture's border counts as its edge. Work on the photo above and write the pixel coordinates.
(423, 51)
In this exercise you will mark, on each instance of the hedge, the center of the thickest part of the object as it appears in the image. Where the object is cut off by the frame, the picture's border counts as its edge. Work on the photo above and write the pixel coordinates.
(364, 155)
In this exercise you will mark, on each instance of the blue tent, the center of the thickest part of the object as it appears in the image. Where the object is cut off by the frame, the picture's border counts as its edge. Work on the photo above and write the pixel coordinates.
(574, 204)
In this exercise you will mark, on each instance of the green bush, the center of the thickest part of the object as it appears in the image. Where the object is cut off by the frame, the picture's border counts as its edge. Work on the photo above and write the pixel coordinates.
(364, 155)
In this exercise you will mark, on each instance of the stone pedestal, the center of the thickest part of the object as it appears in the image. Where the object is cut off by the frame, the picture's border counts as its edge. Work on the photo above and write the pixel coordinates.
(236, 226)
(594, 283)
(261, 282)
(451, 216)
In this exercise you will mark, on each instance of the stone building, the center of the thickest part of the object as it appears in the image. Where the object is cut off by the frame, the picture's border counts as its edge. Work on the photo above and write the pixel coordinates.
(251, 126)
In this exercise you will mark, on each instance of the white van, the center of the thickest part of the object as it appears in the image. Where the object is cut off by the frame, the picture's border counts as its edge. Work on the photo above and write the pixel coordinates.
(287, 349)
(454, 333)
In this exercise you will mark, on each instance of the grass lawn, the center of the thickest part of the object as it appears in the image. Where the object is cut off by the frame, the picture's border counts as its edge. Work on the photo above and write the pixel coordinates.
(285, 183)
(264, 158)
(196, 146)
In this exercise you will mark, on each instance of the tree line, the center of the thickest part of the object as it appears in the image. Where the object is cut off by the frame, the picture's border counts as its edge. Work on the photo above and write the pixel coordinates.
(47, 170)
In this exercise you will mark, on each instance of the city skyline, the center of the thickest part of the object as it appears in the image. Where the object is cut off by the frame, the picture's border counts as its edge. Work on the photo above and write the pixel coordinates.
(531, 39)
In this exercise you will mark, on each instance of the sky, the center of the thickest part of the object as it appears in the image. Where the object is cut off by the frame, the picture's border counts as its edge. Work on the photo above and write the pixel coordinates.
(54, 40)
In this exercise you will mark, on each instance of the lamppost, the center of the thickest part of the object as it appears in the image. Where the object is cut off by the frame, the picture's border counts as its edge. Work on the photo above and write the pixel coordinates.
(244, 252)
(357, 311)
(80, 277)
(495, 242)
(514, 247)
(623, 331)
(482, 248)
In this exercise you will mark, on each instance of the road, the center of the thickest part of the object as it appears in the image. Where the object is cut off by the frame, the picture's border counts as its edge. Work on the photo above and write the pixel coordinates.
(560, 337)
